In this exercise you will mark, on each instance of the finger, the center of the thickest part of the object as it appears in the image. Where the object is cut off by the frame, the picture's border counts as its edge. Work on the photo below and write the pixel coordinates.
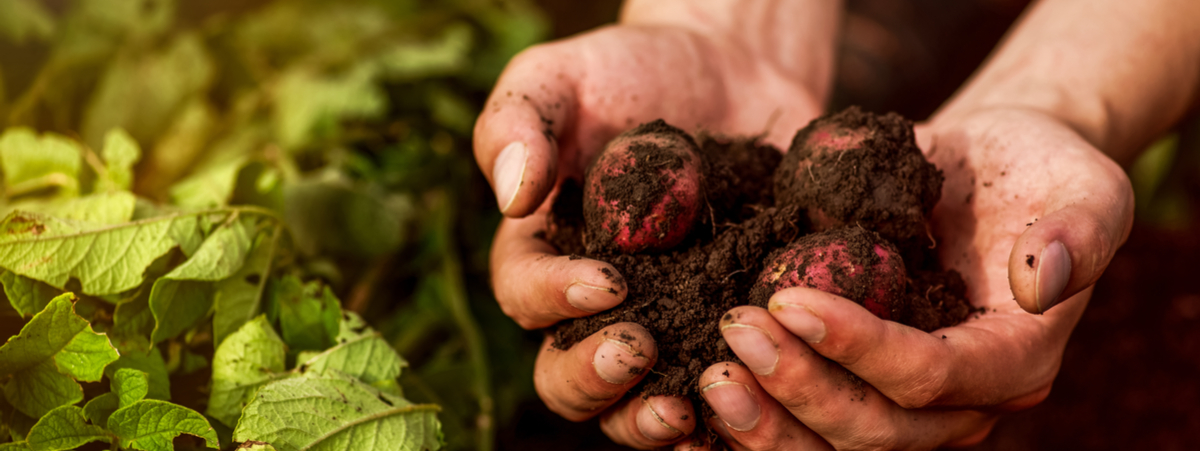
(515, 136)
(537, 288)
(648, 423)
(580, 382)
(830, 400)
(748, 415)
(999, 359)
(694, 443)
(1067, 250)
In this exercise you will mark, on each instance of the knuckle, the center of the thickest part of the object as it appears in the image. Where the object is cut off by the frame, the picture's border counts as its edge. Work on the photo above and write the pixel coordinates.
(925, 389)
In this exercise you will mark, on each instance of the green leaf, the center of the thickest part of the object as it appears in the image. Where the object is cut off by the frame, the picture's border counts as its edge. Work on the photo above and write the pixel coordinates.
(445, 55)
(310, 107)
(101, 407)
(54, 347)
(53, 250)
(369, 358)
(150, 425)
(16, 423)
(41, 388)
(211, 186)
(64, 428)
(131, 386)
(21, 19)
(333, 215)
(99, 209)
(120, 153)
(238, 299)
(184, 296)
(308, 313)
(247, 359)
(256, 446)
(32, 163)
(137, 354)
(26, 295)
(338, 412)
(133, 319)
(142, 92)
(14, 446)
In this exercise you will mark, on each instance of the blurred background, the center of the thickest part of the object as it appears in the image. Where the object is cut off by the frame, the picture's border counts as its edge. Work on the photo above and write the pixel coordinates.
(363, 110)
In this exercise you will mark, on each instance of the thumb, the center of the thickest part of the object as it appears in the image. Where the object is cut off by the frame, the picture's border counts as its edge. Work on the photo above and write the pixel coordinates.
(1067, 250)
(515, 137)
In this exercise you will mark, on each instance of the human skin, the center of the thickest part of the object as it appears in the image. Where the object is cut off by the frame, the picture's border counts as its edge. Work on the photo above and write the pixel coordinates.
(1030, 149)
(1076, 77)
(718, 65)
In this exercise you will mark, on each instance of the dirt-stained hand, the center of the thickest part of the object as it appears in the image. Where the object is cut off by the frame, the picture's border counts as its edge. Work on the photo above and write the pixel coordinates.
(1030, 210)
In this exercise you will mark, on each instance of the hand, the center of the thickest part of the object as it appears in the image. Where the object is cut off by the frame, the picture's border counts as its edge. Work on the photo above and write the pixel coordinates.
(1029, 210)
(553, 109)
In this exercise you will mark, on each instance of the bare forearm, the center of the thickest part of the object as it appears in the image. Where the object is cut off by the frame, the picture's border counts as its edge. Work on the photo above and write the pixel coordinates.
(1118, 71)
(796, 38)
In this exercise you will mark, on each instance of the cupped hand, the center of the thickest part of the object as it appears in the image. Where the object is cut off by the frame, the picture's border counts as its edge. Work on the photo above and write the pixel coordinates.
(1030, 214)
(552, 111)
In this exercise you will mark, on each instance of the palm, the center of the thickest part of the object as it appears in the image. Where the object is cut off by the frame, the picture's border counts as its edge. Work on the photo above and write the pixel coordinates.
(614, 78)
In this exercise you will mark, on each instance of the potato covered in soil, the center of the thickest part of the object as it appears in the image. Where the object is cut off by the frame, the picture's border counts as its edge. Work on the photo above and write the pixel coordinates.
(847, 261)
(836, 214)
(643, 193)
(859, 168)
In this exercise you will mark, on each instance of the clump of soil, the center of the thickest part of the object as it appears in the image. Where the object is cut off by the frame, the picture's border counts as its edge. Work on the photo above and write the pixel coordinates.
(853, 192)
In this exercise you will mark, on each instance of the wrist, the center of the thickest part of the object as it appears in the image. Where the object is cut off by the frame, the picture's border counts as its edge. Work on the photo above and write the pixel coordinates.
(1086, 113)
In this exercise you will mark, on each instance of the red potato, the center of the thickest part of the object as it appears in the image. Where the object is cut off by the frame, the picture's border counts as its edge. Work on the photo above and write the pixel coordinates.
(644, 193)
(856, 168)
(846, 261)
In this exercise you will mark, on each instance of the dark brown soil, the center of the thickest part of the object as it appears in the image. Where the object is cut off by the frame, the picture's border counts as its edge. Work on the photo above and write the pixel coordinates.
(680, 295)
(856, 168)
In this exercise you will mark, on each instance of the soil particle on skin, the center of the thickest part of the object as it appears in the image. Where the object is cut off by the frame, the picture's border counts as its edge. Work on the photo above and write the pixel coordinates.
(681, 295)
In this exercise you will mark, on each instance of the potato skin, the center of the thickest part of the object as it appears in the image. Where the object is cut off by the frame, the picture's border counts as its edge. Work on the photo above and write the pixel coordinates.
(644, 192)
(846, 261)
(854, 167)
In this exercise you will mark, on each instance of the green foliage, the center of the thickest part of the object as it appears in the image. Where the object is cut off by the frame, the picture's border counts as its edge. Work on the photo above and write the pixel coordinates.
(185, 186)
(341, 413)
(53, 351)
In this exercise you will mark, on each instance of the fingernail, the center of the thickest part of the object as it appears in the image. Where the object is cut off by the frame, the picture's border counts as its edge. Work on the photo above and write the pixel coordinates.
(617, 363)
(651, 424)
(800, 321)
(509, 172)
(754, 346)
(1054, 269)
(734, 404)
(591, 299)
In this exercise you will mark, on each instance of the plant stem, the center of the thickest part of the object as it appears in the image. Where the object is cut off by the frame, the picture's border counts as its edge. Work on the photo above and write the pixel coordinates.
(456, 299)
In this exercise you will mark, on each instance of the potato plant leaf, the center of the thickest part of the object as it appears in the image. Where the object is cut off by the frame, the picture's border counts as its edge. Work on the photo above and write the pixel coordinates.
(245, 361)
(137, 354)
(101, 407)
(238, 299)
(31, 162)
(64, 428)
(333, 411)
(184, 296)
(131, 386)
(120, 153)
(26, 295)
(368, 358)
(106, 260)
(53, 350)
(151, 425)
(308, 313)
